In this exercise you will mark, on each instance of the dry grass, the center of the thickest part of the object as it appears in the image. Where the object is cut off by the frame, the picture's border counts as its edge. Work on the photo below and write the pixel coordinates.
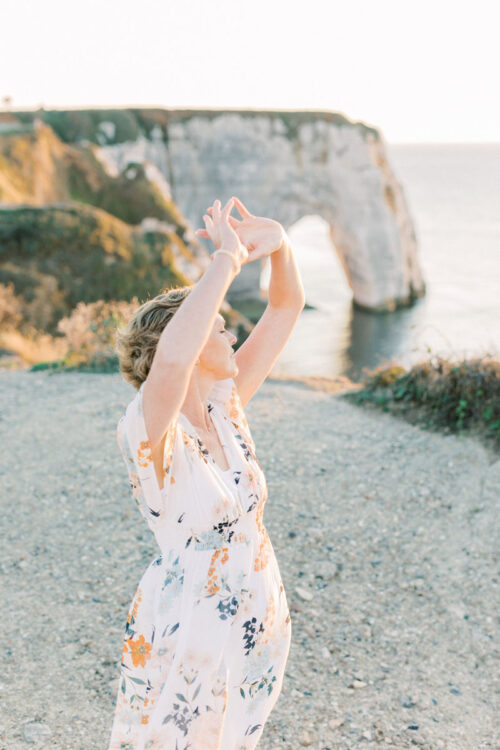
(86, 339)
(34, 347)
(452, 396)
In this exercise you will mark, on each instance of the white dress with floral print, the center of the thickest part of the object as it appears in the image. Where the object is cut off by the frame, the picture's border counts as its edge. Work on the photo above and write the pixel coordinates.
(208, 631)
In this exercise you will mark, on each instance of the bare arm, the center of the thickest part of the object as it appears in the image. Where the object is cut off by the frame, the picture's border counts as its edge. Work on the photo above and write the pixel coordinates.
(259, 353)
(186, 334)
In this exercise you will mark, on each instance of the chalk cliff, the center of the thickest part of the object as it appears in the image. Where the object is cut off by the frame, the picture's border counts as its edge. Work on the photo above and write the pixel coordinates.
(283, 164)
(287, 165)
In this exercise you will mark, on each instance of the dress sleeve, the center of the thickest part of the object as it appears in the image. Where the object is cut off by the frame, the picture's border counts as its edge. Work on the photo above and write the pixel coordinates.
(135, 446)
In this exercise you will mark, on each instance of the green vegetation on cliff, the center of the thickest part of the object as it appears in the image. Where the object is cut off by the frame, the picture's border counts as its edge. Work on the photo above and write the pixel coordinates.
(38, 167)
(70, 232)
(59, 255)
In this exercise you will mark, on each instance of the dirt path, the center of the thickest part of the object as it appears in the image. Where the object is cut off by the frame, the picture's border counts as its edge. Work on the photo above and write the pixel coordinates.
(386, 536)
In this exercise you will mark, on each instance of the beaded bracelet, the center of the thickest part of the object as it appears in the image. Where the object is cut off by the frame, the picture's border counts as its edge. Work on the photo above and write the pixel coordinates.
(237, 265)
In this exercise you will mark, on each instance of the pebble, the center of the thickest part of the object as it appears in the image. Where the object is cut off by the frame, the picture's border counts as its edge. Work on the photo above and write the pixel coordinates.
(358, 684)
(34, 732)
(305, 739)
(304, 594)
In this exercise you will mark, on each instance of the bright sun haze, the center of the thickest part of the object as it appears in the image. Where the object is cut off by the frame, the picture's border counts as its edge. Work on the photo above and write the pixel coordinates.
(425, 71)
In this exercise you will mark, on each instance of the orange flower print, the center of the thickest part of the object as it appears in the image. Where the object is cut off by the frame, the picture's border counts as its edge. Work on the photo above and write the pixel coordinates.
(233, 409)
(269, 621)
(212, 583)
(140, 651)
(124, 650)
(263, 555)
(144, 456)
(133, 612)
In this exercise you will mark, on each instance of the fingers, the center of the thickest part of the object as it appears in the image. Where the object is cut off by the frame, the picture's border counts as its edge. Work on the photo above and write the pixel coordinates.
(228, 207)
(231, 219)
(217, 215)
(241, 208)
(208, 222)
(216, 208)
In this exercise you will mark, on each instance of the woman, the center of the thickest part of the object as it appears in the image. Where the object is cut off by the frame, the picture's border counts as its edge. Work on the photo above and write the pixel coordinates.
(208, 631)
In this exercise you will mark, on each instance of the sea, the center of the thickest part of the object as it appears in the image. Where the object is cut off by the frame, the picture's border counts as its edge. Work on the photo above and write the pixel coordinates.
(453, 194)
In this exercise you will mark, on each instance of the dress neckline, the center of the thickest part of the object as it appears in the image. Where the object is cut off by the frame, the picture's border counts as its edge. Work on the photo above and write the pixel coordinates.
(212, 411)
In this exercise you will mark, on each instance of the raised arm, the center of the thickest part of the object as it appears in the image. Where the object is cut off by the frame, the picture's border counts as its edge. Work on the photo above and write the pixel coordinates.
(187, 332)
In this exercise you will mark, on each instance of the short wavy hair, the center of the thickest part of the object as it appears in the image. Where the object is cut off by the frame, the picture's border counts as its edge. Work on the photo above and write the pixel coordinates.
(136, 342)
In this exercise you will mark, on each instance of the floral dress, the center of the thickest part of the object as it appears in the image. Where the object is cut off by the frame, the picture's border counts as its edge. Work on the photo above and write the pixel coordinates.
(208, 631)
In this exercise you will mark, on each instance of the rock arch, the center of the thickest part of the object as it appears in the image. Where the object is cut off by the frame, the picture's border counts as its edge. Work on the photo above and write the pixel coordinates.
(288, 164)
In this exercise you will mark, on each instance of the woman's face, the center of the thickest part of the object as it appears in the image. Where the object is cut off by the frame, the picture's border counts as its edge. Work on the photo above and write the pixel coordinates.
(217, 355)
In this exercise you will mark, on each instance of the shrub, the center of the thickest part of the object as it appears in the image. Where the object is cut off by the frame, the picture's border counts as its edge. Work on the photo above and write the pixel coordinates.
(439, 394)
(90, 332)
(11, 313)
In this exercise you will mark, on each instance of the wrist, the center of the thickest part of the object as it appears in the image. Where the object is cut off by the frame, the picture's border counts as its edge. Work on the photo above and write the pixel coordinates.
(285, 243)
(229, 258)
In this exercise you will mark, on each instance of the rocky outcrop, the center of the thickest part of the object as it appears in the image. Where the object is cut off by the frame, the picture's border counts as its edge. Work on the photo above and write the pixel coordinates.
(282, 164)
(288, 167)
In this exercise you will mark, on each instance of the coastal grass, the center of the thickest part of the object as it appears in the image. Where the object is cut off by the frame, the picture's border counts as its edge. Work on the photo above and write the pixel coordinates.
(460, 396)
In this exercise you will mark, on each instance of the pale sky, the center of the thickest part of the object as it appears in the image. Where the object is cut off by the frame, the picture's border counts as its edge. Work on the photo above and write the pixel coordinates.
(423, 70)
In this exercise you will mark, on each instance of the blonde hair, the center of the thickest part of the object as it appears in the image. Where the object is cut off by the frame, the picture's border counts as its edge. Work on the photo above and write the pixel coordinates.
(136, 342)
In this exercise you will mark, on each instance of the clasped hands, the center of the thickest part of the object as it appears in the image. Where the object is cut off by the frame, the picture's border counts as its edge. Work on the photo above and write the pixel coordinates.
(250, 237)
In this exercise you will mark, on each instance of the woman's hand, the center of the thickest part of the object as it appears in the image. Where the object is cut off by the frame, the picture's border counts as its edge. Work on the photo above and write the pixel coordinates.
(260, 236)
(220, 232)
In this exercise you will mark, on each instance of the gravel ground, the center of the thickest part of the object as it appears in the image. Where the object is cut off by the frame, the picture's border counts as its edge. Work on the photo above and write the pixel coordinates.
(387, 539)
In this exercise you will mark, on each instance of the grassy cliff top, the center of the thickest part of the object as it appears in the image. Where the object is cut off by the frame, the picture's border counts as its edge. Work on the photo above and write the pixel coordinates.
(117, 125)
